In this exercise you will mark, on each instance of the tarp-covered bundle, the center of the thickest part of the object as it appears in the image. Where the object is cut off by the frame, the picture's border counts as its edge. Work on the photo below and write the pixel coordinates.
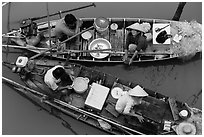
(191, 41)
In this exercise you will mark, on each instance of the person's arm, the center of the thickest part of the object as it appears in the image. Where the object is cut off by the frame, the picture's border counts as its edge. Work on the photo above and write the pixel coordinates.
(139, 117)
(128, 107)
(135, 54)
(68, 32)
(128, 111)
(71, 74)
(79, 24)
(64, 87)
(142, 44)
(125, 47)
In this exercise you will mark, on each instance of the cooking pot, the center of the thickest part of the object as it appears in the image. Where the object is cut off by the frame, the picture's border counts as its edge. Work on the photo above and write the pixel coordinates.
(101, 24)
(99, 44)
(80, 84)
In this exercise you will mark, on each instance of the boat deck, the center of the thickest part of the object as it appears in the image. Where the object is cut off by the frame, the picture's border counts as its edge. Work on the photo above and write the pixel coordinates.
(117, 39)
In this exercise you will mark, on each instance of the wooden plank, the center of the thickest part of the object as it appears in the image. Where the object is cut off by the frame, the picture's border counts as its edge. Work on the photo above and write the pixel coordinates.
(174, 108)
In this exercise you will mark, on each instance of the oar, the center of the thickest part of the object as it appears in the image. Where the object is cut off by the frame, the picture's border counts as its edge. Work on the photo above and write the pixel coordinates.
(37, 55)
(159, 29)
(12, 32)
(17, 37)
(95, 116)
(8, 28)
(29, 47)
(19, 85)
(111, 51)
(48, 19)
(38, 18)
(82, 51)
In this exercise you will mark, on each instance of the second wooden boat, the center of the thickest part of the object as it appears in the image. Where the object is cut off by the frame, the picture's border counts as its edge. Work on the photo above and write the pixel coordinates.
(95, 105)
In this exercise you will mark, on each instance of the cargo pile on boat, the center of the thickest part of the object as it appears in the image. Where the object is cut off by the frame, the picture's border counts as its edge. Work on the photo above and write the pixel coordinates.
(191, 38)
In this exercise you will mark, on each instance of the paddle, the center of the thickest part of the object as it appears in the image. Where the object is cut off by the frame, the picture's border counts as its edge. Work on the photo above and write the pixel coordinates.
(83, 51)
(38, 18)
(48, 19)
(96, 116)
(37, 55)
(107, 51)
(29, 47)
(159, 29)
(8, 28)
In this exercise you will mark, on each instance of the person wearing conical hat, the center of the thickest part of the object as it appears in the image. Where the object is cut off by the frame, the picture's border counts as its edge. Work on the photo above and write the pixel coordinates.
(135, 41)
(186, 128)
(126, 102)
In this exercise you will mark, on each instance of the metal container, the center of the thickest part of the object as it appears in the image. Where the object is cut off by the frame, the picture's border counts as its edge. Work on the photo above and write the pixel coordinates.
(99, 44)
(80, 84)
(101, 25)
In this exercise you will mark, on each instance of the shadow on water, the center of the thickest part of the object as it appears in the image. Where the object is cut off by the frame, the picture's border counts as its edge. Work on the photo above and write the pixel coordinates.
(194, 98)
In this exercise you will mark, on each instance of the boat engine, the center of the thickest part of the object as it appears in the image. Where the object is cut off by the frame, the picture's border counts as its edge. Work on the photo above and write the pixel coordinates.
(22, 67)
(28, 28)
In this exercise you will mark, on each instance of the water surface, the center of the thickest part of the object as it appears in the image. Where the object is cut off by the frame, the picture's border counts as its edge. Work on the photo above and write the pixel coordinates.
(172, 78)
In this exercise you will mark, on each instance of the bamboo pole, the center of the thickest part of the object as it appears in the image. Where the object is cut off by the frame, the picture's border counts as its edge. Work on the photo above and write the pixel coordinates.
(179, 11)
(48, 19)
(37, 55)
(79, 8)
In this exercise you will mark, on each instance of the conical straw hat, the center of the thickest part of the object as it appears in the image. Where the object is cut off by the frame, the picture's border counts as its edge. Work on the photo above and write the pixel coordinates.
(138, 92)
(136, 26)
(185, 128)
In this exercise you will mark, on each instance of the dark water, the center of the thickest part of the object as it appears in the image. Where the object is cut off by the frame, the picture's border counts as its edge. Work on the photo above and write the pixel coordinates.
(172, 78)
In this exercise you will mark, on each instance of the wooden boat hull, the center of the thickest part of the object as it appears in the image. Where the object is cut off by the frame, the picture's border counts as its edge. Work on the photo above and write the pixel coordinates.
(157, 109)
(48, 106)
(117, 39)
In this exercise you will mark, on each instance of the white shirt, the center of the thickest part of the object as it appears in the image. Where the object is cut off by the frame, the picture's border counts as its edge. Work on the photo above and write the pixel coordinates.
(125, 103)
(50, 80)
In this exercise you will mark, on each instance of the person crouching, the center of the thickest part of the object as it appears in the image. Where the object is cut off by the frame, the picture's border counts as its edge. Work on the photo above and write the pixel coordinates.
(126, 102)
(58, 80)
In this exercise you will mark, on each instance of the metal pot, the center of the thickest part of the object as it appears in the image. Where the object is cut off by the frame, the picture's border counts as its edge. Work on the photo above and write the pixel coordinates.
(101, 24)
(99, 44)
(80, 84)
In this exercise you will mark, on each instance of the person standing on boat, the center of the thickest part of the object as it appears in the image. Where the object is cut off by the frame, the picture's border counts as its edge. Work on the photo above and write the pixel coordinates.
(126, 102)
(57, 75)
(135, 42)
(67, 27)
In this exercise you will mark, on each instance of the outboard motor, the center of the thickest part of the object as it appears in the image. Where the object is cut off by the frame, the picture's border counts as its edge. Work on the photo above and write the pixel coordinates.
(21, 67)
(28, 28)
(20, 63)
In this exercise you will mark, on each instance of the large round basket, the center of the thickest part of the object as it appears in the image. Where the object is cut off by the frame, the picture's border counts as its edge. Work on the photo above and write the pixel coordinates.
(99, 44)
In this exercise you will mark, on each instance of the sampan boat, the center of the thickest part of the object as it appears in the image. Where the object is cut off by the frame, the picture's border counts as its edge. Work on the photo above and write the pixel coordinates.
(185, 40)
(95, 103)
